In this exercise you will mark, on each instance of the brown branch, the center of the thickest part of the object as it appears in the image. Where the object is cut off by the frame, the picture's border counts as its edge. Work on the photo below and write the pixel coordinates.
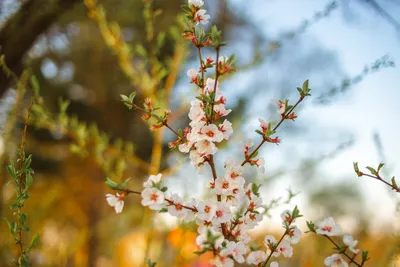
(284, 117)
(396, 189)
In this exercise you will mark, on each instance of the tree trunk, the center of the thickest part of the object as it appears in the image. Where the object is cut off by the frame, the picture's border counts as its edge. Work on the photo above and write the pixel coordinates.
(20, 31)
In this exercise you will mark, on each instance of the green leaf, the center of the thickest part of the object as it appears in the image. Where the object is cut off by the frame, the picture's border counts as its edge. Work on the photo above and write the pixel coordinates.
(311, 226)
(124, 98)
(11, 170)
(254, 155)
(113, 185)
(186, 8)
(394, 184)
(110, 183)
(365, 256)
(34, 241)
(356, 169)
(259, 132)
(149, 263)
(305, 86)
(255, 189)
(380, 167)
(372, 170)
(164, 189)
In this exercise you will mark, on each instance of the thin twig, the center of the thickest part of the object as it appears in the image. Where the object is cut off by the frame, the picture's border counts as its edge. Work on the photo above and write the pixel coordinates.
(284, 117)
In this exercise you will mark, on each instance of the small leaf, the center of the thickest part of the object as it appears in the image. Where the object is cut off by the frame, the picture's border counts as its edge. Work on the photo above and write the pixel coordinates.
(380, 166)
(372, 170)
(149, 263)
(34, 241)
(394, 184)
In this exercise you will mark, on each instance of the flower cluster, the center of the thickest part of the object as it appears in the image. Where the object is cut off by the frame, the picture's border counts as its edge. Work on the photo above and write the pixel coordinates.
(223, 222)
(283, 246)
(329, 228)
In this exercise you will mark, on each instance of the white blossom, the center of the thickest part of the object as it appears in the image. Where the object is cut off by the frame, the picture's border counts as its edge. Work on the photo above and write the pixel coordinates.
(211, 133)
(221, 110)
(222, 214)
(206, 147)
(328, 227)
(153, 198)
(201, 17)
(192, 74)
(335, 260)
(206, 211)
(284, 248)
(152, 179)
(116, 201)
(350, 243)
(177, 208)
(256, 257)
(196, 3)
(226, 129)
(236, 250)
(293, 235)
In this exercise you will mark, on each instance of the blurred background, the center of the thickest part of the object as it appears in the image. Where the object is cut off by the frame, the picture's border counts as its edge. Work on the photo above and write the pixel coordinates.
(80, 132)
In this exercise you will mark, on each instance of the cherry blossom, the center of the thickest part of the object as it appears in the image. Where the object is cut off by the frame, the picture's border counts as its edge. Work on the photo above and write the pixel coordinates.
(196, 3)
(284, 248)
(206, 147)
(116, 201)
(286, 216)
(264, 126)
(211, 133)
(335, 260)
(282, 107)
(256, 257)
(222, 213)
(350, 243)
(153, 198)
(226, 129)
(192, 74)
(201, 17)
(328, 227)
(274, 264)
(236, 250)
(293, 235)
(210, 84)
(176, 209)
(221, 110)
(206, 210)
(153, 179)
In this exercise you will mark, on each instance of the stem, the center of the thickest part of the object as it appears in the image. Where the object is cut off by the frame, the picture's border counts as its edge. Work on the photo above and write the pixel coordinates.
(272, 251)
(383, 181)
(274, 129)
(201, 67)
(22, 178)
(344, 253)
(215, 86)
(172, 130)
